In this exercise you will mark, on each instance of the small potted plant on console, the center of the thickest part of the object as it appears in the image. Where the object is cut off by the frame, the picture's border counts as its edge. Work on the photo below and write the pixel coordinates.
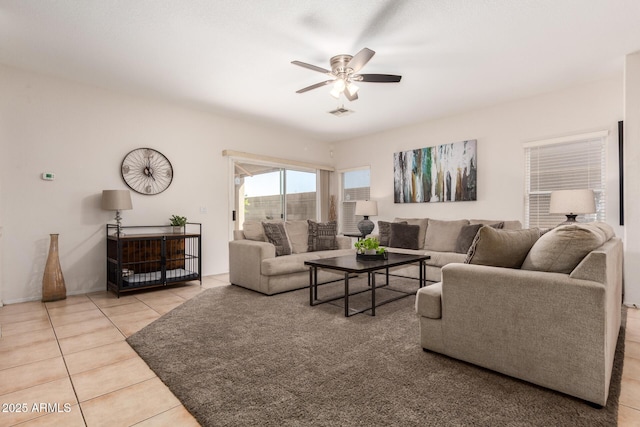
(178, 223)
(370, 249)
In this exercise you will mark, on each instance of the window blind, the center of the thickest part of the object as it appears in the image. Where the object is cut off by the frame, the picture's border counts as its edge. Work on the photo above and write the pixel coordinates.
(567, 164)
(355, 186)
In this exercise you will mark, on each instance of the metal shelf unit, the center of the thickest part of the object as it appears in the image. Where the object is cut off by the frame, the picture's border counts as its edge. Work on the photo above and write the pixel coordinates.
(148, 256)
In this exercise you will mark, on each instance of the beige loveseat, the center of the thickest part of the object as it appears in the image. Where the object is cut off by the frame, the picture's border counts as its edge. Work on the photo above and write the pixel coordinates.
(553, 322)
(253, 263)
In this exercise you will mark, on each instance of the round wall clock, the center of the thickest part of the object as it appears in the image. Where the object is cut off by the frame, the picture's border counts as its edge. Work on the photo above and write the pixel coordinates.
(147, 171)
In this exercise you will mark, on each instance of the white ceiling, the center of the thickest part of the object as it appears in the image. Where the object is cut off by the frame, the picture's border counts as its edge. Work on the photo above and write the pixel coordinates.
(233, 57)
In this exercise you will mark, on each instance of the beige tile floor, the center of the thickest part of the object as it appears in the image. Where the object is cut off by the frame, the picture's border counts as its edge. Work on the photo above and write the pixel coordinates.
(67, 362)
(72, 355)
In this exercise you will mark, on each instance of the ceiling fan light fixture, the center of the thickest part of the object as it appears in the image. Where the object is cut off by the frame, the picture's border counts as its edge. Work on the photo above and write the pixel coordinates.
(344, 71)
(352, 89)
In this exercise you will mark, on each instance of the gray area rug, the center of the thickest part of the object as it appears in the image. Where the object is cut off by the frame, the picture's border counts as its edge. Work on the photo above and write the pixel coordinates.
(238, 358)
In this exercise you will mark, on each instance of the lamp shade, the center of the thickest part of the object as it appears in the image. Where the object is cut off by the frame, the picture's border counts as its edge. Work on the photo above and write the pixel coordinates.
(366, 207)
(116, 200)
(573, 202)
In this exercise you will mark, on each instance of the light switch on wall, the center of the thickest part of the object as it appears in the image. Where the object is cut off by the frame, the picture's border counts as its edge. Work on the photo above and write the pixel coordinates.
(203, 209)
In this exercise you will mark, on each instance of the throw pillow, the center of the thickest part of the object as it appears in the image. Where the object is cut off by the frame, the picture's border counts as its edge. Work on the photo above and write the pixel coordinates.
(501, 248)
(253, 230)
(561, 249)
(277, 236)
(322, 236)
(465, 238)
(422, 222)
(405, 236)
(298, 232)
(384, 232)
(441, 235)
(468, 233)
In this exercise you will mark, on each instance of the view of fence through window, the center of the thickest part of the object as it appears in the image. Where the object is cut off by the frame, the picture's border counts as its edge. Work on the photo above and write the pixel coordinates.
(267, 192)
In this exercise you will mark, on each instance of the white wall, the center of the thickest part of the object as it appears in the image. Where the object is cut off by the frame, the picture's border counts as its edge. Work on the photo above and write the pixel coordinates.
(500, 131)
(632, 178)
(81, 134)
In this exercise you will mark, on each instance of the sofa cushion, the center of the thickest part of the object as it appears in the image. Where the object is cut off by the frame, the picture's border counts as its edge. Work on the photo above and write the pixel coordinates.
(298, 232)
(294, 263)
(429, 301)
(421, 222)
(384, 232)
(507, 225)
(277, 236)
(442, 235)
(404, 236)
(440, 259)
(561, 249)
(322, 235)
(501, 248)
(253, 230)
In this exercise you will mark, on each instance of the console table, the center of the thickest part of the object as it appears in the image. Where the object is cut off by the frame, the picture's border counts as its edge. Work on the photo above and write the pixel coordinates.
(141, 257)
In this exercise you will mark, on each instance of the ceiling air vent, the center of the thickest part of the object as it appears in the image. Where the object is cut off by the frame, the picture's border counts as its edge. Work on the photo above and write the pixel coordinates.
(341, 111)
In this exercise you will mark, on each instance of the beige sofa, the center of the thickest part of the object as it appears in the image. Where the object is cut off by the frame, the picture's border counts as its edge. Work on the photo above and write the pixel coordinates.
(253, 263)
(437, 238)
(553, 322)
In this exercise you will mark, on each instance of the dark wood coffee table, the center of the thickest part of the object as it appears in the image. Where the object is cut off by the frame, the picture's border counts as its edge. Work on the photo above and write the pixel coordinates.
(350, 265)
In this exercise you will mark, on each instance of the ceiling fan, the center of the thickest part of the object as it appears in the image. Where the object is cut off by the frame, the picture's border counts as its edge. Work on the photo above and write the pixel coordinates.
(344, 72)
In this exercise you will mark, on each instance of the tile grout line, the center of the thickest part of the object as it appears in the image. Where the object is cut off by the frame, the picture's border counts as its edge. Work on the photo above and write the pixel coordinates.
(64, 360)
(109, 318)
(160, 413)
(180, 404)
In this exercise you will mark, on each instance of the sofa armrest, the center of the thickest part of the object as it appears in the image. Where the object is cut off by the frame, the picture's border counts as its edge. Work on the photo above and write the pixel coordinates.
(245, 261)
(540, 326)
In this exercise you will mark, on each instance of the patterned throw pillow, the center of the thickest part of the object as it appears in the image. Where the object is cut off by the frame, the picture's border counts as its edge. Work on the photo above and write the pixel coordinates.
(277, 236)
(322, 235)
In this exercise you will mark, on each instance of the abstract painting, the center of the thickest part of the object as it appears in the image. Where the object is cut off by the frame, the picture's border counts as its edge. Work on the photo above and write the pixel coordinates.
(444, 173)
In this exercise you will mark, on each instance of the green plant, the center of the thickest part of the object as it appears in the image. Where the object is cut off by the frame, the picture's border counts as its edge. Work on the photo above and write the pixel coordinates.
(178, 221)
(368, 244)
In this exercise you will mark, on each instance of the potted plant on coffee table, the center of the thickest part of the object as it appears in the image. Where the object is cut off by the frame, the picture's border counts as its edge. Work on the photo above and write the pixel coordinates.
(370, 249)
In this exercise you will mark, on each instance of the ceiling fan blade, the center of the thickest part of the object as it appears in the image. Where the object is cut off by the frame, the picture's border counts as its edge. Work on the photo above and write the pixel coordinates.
(311, 67)
(315, 86)
(360, 59)
(349, 96)
(377, 78)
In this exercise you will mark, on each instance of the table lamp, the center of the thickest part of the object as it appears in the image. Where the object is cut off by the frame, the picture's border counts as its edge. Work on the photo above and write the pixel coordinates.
(366, 208)
(572, 203)
(116, 200)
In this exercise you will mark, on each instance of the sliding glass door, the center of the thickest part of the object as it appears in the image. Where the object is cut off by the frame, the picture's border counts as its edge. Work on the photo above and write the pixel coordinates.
(266, 192)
